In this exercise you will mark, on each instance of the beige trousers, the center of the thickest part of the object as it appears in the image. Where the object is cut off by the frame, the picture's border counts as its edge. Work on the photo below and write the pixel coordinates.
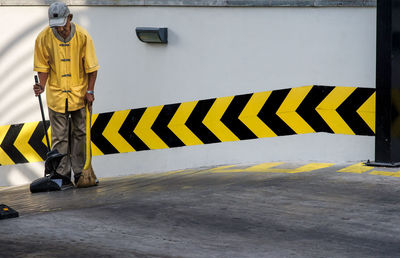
(77, 144)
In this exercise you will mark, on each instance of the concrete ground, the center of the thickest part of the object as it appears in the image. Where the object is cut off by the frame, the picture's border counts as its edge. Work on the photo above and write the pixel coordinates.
(268, 210)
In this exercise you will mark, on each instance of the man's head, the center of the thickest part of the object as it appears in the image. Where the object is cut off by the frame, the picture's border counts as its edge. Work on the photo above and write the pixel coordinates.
(59, 14)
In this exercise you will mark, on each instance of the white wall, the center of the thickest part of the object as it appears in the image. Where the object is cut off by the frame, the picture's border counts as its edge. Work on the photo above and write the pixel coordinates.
(212, 52)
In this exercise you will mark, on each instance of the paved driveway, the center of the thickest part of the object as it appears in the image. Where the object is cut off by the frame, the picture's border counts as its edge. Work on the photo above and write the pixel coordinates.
(276, 210)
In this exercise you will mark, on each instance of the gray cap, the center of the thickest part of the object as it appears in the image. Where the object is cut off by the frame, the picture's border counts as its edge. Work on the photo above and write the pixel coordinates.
(58, 14)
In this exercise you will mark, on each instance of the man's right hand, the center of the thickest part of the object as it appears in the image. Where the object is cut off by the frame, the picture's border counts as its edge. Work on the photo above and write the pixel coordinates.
(38, 89)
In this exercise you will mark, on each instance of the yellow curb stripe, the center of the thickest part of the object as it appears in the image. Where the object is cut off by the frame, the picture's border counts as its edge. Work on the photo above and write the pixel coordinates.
(358, 168)
(306, 168)
(385, 173)
(264, 167)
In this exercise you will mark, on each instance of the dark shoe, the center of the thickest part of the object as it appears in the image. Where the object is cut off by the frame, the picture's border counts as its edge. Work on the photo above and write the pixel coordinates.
(66, 184)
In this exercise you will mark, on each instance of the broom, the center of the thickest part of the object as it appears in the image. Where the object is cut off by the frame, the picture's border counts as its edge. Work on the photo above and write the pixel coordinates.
(88, 177)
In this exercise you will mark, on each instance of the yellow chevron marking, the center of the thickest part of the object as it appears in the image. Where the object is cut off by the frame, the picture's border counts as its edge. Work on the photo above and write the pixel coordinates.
(95, 150)
(181, 171)
(264, 167)
(327, 109)
(224, 169)
(269, 168)
(44, 137)
(306, 168)
(21, 142)
(4, 158)
(358, 168)
(213, 120)
(287, 110)
(112, 135)
(251, 120)
(367, 112)
(144, 132)
(178, 127)
(235, 168)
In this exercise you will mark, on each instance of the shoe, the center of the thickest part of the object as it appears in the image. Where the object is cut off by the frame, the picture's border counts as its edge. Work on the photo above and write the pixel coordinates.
(66, 184)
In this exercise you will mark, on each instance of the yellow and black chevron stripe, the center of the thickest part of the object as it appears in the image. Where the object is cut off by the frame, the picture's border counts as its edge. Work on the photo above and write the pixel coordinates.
(22, 143)
(308, 109)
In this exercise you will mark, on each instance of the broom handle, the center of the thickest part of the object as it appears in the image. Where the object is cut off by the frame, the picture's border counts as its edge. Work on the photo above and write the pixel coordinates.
(43, 118)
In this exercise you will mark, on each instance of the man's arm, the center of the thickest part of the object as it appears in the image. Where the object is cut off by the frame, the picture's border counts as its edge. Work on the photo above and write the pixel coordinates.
(89, 97)
(39, 88)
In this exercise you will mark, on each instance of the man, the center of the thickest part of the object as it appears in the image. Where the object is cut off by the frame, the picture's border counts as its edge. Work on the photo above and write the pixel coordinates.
(67, 66)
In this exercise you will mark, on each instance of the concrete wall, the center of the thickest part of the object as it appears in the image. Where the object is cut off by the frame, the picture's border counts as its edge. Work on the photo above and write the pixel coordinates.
(212, 52)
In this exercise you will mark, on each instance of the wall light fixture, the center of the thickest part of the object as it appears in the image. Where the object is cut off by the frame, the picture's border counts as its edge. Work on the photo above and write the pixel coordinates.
(152, 35)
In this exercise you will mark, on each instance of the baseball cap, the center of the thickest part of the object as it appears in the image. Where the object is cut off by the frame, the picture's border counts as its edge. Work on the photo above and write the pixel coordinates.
(58, 14)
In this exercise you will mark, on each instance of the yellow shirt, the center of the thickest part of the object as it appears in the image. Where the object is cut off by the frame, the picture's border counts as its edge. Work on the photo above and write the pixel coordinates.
(68, 63)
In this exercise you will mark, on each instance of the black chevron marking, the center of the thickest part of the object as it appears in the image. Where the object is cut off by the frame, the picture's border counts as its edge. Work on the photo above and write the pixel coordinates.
(160, 126)
(348, 111)
(268, 113)
(97, 133)
(231, 117)
(36, 140)
(307, 108)
(126, 130)
(8, 144)
(195, 122)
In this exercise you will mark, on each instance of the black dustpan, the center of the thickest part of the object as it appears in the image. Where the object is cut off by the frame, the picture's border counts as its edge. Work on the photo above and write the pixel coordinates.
(44, 184)
(51, 181)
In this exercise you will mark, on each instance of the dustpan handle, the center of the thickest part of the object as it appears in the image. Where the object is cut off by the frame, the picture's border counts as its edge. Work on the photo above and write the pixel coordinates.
(43, 118)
